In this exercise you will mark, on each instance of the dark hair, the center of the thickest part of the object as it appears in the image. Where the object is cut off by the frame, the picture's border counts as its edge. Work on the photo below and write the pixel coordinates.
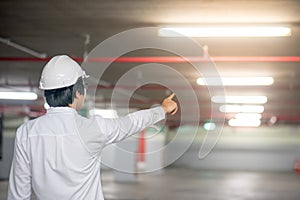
(62, 97)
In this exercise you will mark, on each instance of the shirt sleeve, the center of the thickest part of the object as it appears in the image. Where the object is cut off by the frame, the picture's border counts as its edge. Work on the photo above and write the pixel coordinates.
(20, 174)
(118, 129)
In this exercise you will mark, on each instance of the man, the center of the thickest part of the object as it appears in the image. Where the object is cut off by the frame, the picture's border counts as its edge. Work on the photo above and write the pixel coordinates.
(58, 155)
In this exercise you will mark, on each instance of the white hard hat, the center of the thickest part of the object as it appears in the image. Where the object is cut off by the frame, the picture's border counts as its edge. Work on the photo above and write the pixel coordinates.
(61, 71)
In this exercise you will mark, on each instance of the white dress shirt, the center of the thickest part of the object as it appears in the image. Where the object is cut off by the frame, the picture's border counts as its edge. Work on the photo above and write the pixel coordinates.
(58, 155)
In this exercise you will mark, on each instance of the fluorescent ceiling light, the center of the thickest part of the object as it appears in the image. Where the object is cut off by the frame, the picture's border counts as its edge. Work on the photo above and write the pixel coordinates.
(239, 31)
(236, 81)
(241, 108)
(245, 123)
(248, 116)
(18, 95)
(240, 99)
(105, 113)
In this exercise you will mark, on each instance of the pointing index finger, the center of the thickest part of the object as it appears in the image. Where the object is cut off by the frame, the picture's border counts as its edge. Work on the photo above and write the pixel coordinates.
(171, 96)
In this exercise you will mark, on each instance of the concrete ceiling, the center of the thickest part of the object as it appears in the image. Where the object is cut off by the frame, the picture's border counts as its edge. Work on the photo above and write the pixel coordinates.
(59, 27)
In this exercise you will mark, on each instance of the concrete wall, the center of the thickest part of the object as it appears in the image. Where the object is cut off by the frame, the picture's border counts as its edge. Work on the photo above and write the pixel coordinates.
(266, 148)
(5, 163)
(9, 132)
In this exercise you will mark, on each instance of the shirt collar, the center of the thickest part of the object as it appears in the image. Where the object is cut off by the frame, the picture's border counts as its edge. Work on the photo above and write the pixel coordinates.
(61, 110)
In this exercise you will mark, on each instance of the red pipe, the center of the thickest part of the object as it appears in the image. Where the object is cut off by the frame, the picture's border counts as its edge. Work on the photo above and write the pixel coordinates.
(160, 87)
(167, 59)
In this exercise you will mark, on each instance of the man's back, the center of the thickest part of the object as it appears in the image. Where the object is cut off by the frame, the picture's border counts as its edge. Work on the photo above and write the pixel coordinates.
(60, 163)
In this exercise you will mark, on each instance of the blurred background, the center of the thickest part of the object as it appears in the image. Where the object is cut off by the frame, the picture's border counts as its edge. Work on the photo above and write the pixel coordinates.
(255, 47)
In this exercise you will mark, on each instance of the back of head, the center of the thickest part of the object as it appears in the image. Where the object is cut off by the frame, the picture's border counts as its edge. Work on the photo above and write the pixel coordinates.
(61, 78)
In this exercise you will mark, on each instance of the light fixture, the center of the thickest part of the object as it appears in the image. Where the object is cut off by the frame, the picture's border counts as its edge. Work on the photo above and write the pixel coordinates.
(231, 31)
(245, 123)
(240, 99)
(105, 113)
(248, 116)
(235, 81)
(272, 121)
(241, 108)
(18, 95)
(209, 126)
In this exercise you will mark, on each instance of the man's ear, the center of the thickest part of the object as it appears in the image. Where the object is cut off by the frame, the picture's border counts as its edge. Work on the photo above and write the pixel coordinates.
(77, 94)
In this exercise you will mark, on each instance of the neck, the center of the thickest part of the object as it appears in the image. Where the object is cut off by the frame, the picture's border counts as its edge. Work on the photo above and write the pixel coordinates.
(73, 105)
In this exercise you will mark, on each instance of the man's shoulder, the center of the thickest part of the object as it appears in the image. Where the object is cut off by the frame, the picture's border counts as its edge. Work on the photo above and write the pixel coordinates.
(24, 128)
(31, 122)
(90, 122)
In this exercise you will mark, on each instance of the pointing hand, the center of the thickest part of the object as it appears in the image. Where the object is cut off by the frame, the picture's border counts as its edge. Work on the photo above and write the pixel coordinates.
(169, 105)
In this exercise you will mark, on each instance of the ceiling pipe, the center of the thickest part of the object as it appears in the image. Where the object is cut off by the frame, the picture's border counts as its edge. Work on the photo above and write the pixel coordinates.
(167, 59)
(22, 48)
(87, 39)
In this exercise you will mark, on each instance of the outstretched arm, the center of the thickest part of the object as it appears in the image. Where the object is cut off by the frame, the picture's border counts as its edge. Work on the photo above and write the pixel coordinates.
(118, 129)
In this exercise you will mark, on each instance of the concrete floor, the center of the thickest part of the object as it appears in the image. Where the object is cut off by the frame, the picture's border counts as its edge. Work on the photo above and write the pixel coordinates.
(186, 184)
